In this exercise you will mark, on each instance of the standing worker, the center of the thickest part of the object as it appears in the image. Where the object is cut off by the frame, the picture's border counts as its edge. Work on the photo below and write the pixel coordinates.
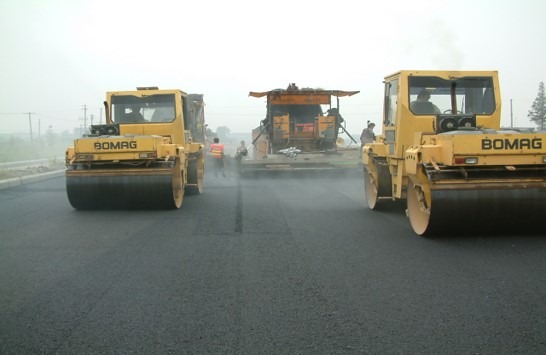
(217, 153)
(242, 151)
(367, 135)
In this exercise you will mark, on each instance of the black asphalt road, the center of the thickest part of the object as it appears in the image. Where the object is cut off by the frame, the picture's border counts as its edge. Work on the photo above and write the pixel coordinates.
(268, 265)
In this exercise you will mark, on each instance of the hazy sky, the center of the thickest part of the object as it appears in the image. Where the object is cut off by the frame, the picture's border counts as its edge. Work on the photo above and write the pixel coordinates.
(58, 56)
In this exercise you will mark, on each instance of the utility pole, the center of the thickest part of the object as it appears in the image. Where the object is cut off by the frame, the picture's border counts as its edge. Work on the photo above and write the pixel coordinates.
(30, 123)
(511, 115)
(84, 117)
(100, 116)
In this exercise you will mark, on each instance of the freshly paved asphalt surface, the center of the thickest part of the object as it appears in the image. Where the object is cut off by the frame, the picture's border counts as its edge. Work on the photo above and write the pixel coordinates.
(266, 265)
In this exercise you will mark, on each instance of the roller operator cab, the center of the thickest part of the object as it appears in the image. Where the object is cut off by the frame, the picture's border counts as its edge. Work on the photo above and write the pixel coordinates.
(147, 155)
(442, 150)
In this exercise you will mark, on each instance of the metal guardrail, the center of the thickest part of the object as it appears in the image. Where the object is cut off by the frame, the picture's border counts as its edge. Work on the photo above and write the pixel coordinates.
(26, 163)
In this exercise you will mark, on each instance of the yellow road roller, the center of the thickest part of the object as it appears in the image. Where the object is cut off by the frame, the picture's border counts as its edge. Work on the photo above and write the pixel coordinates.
(145, 156)
(443, 152)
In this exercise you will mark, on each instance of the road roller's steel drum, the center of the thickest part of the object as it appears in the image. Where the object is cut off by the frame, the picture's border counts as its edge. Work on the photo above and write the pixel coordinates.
(140, 188)
(486, 210)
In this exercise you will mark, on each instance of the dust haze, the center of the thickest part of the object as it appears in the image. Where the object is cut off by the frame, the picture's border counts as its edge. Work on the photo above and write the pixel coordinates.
(60, 57)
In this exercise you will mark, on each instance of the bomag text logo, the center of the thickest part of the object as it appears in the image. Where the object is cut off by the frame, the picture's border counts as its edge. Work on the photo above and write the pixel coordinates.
(511, 144)
(114, 145)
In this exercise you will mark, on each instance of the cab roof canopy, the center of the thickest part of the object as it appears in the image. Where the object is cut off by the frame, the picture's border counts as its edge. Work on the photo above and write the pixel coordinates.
(306, 91)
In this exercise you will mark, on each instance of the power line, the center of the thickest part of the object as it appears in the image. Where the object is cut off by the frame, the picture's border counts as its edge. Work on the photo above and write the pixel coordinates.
(43, 112)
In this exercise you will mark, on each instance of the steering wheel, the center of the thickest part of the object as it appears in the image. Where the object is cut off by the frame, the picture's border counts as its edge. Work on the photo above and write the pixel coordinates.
(451, 111)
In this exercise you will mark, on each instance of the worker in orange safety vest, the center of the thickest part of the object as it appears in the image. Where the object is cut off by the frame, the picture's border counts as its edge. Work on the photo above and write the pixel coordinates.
(217, 154)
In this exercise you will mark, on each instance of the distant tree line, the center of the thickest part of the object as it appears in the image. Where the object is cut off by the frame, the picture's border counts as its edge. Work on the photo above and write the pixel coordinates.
(537, 113)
